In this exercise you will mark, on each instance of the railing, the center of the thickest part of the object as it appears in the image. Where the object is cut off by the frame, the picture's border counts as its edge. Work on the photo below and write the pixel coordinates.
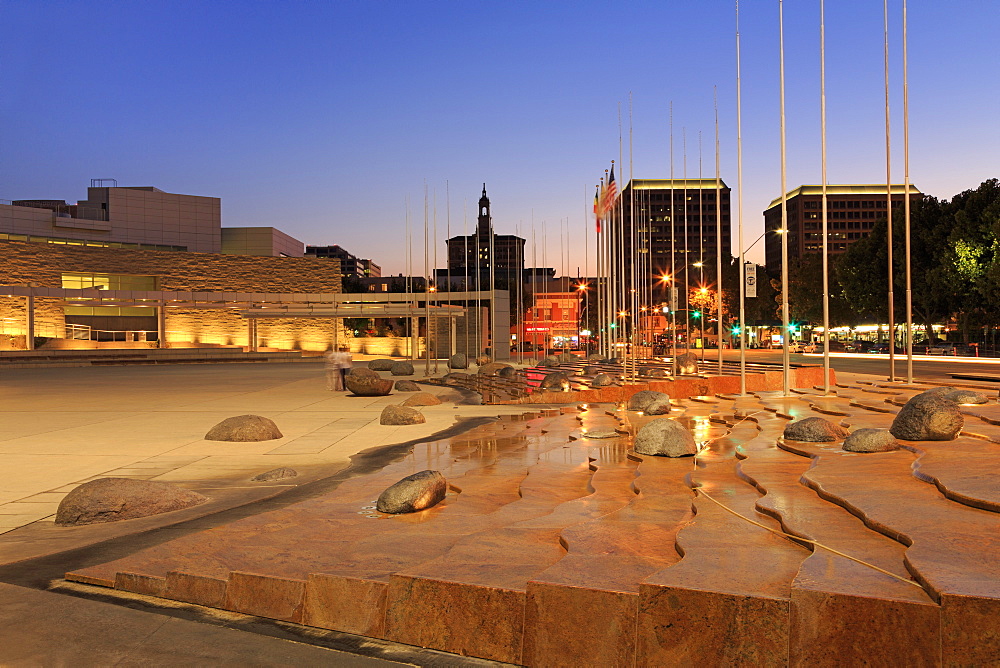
(88, 333)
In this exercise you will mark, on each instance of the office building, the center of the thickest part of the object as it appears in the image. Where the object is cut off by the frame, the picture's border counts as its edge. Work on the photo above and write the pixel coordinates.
(476, 257)
(852, 211)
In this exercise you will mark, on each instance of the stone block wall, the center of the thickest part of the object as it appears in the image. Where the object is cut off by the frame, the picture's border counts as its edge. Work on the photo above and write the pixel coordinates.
(37, 264)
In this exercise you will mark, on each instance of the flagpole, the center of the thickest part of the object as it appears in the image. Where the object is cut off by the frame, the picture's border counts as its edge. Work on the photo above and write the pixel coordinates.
(465, 235)
(673, 253)
(826, 242)
(785, 357)
(622, 301)
(739, 210)
(447, 197)
(435, 286)
(687, 252)
(427, 287)
(906, 206)
(888, 195)
(634, 276)
(718, 233)
(701, 246)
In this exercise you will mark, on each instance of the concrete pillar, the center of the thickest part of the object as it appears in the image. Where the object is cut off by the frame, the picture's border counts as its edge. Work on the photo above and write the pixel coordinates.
(252, 335)
(161, 325)
(453, 324)
(414, 336)
(29, 324)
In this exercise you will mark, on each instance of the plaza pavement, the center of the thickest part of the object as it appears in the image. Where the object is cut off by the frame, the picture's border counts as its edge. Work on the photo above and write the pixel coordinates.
(64, 426)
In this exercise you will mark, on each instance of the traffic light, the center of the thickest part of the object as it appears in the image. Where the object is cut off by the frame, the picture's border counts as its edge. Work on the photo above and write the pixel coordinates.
(696, 314)
(736, 330)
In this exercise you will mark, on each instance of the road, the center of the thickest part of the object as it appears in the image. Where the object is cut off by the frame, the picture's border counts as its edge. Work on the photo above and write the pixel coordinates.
(924, 368)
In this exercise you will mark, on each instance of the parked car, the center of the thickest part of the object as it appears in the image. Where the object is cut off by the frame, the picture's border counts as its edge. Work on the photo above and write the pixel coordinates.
(817, 347)
(882, 347)
(796, 346)
(949, 348)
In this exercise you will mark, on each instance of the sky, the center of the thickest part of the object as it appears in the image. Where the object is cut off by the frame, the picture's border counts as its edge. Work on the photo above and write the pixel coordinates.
(330, 120)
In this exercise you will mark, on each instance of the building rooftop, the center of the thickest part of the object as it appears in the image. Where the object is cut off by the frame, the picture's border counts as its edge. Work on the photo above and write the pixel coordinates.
(841, 189)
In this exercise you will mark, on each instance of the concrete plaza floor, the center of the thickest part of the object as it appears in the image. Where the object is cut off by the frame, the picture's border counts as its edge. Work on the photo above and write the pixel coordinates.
(65, 426)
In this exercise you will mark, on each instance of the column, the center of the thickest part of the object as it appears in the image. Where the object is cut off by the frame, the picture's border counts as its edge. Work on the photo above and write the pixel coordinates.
(161, 325)
(29, 324)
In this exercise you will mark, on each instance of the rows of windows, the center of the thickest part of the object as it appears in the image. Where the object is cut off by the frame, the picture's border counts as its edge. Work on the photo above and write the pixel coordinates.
(80, 280)
(94, 244)
(850, 204)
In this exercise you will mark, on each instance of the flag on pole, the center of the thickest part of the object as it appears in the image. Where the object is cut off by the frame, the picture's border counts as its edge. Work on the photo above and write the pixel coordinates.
(611, 191)
(597, 212)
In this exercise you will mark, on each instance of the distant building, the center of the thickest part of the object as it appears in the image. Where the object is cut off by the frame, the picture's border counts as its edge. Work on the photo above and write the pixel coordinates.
(264, 241)
(852, 211)
(476, 256)
(350, 264)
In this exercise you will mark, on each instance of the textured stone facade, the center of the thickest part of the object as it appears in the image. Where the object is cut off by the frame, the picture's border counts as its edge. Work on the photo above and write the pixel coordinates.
(40, 264)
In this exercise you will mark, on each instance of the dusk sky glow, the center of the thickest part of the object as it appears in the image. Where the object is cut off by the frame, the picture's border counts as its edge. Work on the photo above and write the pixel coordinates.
(322, 118)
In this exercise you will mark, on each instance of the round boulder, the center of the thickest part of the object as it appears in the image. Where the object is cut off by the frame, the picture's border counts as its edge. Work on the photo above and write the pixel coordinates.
(114, 499)
(658, 407)
(458, 361)
(507, 372)
(666, 438)
(566, 357)
(549, 360)
(653, 372)
(282, 473)
(380, 365)
(591, 370)
(401, 368)
(966, 397)
(814, 430)
(595, 357)
(482, 359)
(928, 416)
(244, 428)
(602, 380)
(870, 440)
(555, 382)
(397, 415)
(492, 369)
(421, 399)
(407, 386)
(361, 372)
(414, 492)
(365, 386)
(687, 363)
(640, 400)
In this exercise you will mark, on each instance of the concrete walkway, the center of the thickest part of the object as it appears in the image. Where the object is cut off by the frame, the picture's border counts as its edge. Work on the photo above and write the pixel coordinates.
(64, 426)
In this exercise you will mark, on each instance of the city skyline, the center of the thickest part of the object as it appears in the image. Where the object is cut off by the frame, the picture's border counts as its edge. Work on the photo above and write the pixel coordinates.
(323, 120)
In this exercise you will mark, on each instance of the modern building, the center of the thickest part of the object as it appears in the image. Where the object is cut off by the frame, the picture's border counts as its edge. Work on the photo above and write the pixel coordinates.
(139, 218)
(261, 241)
(477, 257)
(852, 211)
(675, 223)
(350, 264)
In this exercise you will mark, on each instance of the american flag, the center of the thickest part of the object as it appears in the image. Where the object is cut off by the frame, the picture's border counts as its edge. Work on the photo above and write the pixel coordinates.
(611, 192)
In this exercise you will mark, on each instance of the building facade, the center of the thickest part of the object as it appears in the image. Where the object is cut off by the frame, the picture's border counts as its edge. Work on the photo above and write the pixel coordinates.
(477, 257)
(852, 211)
(350, 264)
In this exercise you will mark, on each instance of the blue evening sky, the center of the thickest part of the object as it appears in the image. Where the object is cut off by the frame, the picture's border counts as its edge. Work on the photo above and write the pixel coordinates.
(322, 118)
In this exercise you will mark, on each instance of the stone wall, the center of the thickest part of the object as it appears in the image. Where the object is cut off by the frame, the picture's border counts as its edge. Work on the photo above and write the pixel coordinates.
(36, 264)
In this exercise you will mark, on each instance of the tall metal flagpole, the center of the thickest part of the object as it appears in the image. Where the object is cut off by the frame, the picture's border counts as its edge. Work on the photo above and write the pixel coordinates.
(427, 285)
(701, 245)
(826, 238)
(621, 246)
(407, 284)
(718, 234)
(785, 357)
(634, 275)
(888, 196)
(451, 321)
(687, 252)
(672, 285)
(906, 206)
(435, 286)
(739, 210)
(465, 235)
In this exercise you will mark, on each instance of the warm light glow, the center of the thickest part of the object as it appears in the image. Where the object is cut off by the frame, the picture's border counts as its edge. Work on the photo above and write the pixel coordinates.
(699, 264)
(665, 278)
(432, 289)
(582, 286)
(703, 291)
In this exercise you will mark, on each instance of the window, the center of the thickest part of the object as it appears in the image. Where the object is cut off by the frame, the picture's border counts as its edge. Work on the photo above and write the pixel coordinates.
(108, 281)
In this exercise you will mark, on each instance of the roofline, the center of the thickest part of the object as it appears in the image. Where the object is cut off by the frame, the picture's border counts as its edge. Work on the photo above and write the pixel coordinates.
(675, 184)
(845, 189)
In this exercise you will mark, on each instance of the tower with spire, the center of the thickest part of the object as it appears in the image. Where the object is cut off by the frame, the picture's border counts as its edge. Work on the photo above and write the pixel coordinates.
(473, 259)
